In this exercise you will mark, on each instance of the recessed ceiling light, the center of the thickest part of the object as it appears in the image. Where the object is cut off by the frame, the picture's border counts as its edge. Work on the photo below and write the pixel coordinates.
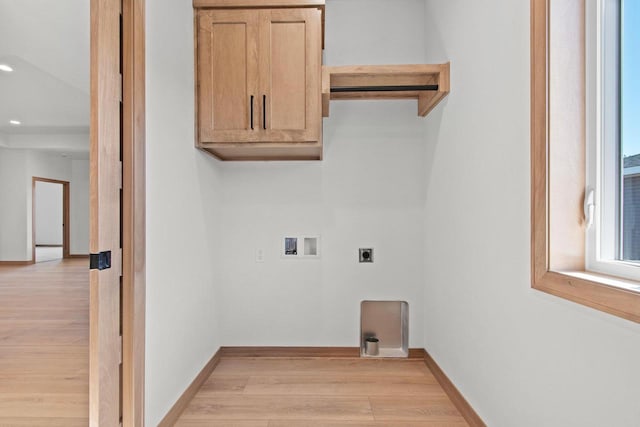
(5, 68)
(15, 122)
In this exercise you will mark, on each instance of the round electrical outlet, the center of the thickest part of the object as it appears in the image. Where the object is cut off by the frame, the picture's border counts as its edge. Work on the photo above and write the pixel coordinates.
(366, 254)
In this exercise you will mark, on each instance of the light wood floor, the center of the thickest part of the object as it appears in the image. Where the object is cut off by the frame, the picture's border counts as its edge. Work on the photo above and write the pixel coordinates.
(307, 392)
(44, 344)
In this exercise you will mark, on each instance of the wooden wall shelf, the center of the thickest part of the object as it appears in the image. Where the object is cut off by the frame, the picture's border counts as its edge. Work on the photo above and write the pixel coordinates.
(428, 84)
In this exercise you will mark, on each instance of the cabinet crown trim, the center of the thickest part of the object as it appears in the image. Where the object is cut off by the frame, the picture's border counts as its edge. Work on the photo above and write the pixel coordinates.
(245, 4)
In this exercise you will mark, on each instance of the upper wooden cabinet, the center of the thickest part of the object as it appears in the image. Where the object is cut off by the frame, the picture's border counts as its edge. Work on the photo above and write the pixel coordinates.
(258, 76)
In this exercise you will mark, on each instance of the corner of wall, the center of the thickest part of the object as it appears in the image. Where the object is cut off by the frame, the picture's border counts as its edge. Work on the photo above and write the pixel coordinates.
(183, 226)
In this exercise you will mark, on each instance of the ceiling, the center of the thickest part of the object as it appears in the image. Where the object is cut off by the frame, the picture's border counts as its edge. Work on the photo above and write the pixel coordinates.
(47, 45)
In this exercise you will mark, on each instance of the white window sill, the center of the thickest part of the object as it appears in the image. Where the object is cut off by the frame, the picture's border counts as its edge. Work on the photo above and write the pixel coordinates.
(615, 282)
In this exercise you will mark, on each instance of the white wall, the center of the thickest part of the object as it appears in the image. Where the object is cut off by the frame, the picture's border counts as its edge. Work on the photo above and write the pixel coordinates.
(79, 207)
(183, 222)
(48, 209)
(17, 167)
(522, 358)
(366, 193)
(15, 244)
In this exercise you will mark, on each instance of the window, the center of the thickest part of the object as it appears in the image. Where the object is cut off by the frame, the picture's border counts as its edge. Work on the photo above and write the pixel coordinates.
(566, 82)
(613, 137)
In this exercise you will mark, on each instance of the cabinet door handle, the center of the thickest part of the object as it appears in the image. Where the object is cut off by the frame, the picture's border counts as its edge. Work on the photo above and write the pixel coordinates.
(264, 112)
(251, 112)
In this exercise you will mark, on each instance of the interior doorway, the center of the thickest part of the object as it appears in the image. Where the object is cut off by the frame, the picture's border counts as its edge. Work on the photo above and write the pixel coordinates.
(50, 219)
(86, 54)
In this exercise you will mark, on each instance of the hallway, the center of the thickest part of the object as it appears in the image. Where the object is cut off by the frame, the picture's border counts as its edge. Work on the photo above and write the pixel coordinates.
(44, 344)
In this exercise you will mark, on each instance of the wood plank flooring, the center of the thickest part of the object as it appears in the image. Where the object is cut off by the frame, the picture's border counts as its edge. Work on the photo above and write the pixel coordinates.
(322, 392)
(44, 361)
(44, 344)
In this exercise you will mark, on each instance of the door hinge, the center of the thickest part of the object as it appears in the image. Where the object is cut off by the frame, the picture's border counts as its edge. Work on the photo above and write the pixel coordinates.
(100, 261)
(120, 175)
(120, 349)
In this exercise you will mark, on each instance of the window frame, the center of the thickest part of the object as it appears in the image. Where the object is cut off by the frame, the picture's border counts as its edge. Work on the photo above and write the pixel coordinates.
(603, 47)
(557, 193)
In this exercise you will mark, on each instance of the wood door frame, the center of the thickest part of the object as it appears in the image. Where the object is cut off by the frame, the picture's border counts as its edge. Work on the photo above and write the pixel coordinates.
(133, 213)
(105, 84)
(66, 225)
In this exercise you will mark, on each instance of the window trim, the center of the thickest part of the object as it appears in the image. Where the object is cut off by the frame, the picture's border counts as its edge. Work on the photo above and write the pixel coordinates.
(557, 261)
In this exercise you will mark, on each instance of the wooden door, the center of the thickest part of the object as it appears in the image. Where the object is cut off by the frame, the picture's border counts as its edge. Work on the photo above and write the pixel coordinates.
(104, 209)
(290, 75)
(227, 76)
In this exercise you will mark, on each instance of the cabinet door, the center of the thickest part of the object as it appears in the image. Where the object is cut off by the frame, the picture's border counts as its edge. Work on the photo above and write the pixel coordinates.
(227, 76)
(290, 75)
